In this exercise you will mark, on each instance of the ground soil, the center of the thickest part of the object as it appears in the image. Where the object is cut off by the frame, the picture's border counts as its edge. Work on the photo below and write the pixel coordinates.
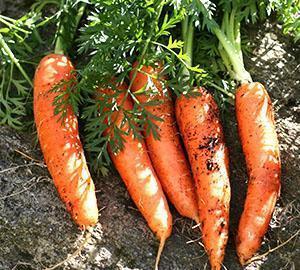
(36, 232)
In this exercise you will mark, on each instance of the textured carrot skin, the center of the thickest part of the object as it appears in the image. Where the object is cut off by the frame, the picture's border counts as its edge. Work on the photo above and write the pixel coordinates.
(61, 146)
(135, 168)
(167, 154)
(198, 120)
(260, 146)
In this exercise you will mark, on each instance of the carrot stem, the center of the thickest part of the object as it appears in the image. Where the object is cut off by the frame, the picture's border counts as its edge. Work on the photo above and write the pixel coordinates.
(189, 40)
(11, 55)
(229, 37)
(188, 36)
(231, 33)
(222, 90)
(11, 25)
(185, 23)
(61, 44)
(241, 74)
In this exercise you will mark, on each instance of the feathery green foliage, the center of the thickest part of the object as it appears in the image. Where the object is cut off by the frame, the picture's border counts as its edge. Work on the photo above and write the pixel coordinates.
(20, 40)
(119, 33)
(288, 13)
(17, 40)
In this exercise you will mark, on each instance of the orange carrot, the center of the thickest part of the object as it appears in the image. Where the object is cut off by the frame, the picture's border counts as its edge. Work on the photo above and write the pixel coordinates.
(198, 120)
(135, 168)
(60, 142)
(260, 146)
(167, 154)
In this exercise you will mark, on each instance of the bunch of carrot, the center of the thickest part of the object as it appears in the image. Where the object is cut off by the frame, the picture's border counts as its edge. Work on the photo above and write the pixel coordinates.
(197, 185)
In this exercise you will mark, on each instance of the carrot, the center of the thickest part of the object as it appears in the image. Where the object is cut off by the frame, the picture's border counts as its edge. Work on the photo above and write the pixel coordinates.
(134, 166)
(60, 142)
(167, 154)
(198, 120)
(260, 146)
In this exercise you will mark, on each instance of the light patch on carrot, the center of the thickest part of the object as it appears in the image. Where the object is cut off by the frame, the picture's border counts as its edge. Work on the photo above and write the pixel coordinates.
(48, 61)
(268, 148)
(63, 62)
(260, 220)
(218, 212)
(73, 163)
(202, 112)
(84, 173)
(263, 110)
(206, 108)
(272, 158)
(70, 123)
(218, 189)
(269, 203)
(67, 146)
(200, 117)
(150, 186)
(140, 146)
(220, 154)
(251, 236)
(161, 213)
(50, 71)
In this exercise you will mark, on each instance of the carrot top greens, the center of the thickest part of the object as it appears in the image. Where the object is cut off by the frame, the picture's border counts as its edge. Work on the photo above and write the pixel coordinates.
(17, 37)
(117, 33)
(228, 33)
(70, 16)
(21, 46)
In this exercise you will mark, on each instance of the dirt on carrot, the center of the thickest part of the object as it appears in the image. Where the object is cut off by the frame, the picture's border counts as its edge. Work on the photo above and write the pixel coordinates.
(200, 126)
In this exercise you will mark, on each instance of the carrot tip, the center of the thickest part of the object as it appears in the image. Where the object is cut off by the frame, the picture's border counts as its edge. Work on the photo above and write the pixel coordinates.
(243, 261)
(160, 249)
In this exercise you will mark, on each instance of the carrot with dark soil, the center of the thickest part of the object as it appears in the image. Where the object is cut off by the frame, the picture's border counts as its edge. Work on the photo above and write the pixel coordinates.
(198, 120)
(199, 123)
(135, 168)
(167, 154)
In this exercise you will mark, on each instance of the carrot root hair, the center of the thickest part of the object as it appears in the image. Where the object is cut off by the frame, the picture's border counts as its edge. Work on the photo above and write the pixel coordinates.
(160, 249)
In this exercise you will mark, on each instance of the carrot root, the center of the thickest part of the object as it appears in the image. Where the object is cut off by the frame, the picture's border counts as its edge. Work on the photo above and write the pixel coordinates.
(258, 137)
(167, 154)
(159, 252)
(60, 144)
(199, 123)
(135, 168)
